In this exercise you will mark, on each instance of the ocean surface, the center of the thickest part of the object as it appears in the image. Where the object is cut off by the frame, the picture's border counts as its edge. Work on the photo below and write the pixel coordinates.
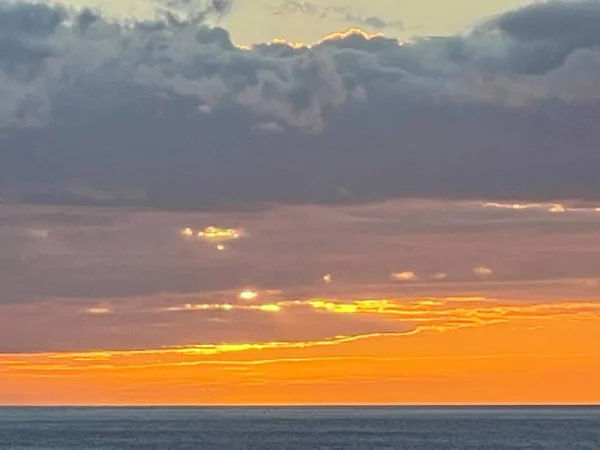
(482, 428)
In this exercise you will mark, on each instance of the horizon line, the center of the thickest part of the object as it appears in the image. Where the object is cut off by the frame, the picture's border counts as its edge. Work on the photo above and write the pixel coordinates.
(310, 405)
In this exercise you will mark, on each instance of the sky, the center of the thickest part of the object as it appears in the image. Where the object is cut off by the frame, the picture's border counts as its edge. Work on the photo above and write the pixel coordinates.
(309, 21)
(293, 202)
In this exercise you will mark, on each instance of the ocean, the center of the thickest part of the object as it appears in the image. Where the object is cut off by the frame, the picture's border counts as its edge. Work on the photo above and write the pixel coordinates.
(301, 428)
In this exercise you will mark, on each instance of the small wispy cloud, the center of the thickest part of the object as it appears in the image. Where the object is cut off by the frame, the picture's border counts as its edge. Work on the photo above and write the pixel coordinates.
(194, 10)
(405, 276)
(272, 127)
(343, 13)
(482, 272)
(439, 276)
(98, 310)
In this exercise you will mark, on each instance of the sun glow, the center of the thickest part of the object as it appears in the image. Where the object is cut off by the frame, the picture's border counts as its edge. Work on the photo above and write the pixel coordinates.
(212, 233)
(335, 36)
(248, 295)
(338, 36)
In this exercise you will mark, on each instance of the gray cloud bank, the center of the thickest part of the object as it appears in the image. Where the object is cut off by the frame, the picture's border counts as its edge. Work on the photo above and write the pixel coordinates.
(171, 114)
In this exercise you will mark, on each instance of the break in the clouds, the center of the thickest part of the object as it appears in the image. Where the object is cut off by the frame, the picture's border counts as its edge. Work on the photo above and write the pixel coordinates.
(170, 113)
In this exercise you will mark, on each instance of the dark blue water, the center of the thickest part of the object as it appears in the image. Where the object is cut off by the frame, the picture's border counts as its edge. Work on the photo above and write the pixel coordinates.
(561, 428)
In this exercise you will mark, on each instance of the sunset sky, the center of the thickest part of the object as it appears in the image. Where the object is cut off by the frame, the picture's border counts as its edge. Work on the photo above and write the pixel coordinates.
(405, 198)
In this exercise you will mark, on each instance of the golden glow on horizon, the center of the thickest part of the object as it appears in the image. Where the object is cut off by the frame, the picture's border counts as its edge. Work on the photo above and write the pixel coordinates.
(322, 343)
(463, 311)
(537, 353)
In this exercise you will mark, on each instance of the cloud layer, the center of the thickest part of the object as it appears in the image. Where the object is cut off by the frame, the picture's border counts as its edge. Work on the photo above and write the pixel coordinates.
(81, 278)
(170, 113)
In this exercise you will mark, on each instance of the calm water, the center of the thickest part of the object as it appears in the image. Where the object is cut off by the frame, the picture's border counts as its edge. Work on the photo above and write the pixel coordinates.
(567, 428)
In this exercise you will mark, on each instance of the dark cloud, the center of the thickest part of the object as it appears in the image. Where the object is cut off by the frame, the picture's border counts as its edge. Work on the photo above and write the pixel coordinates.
(544, 34)
(170, 114)
(553, 20)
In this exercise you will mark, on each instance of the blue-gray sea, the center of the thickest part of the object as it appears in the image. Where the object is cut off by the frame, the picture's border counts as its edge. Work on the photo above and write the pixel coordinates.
(560, 428)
